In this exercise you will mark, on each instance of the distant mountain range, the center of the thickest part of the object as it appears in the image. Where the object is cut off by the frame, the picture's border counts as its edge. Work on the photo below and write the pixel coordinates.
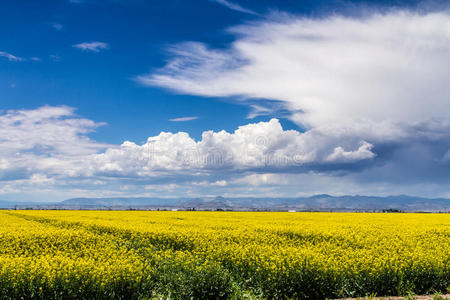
(314, 203)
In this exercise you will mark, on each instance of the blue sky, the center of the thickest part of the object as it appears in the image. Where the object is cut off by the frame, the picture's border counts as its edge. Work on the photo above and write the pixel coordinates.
(329, 97)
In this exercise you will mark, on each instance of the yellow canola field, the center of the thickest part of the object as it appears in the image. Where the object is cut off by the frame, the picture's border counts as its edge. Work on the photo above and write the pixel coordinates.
(213, 255)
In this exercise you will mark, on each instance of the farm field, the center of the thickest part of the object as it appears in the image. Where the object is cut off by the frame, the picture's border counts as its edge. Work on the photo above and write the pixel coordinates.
(221, 255)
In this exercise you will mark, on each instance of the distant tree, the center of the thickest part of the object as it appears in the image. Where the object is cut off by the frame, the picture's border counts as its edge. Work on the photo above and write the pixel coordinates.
(392, 210)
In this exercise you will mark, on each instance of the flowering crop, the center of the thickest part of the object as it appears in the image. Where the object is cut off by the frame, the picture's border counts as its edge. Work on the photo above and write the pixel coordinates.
(213, 255)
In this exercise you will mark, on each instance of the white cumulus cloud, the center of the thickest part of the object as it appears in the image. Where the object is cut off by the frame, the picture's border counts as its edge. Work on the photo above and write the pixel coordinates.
(251, 147)
(52, 141)
(46, 141)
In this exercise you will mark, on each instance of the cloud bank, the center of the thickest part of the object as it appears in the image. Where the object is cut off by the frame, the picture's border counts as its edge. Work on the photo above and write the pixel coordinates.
(254, 147)
(47, 150)
(379, 81)
(54, 141)
(370, 93)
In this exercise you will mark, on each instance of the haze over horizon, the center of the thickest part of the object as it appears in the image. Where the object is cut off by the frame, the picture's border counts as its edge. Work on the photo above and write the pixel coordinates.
(244, 98)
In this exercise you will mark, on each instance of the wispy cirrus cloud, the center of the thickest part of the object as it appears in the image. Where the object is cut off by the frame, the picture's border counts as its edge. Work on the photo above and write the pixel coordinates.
(54, 57)
(10, 56)
(235, 6)
(57, 26)
(92, 46)
(183, 119)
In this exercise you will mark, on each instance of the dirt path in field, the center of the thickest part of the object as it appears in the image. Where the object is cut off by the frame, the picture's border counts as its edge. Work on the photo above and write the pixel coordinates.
(401, 298)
